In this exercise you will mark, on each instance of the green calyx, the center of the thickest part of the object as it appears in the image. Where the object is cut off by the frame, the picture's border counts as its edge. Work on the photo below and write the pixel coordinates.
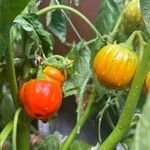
(129, 43)
(58, 62)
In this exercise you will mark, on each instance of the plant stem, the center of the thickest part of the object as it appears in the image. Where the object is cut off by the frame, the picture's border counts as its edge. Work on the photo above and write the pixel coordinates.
(23, 134)
(84, 117)
(125, 119)
(15, 123)
(70, 22)
(74, 28)
(50, 8)
(91, 41)
(11, 73)
(109, 120)
(80, 99)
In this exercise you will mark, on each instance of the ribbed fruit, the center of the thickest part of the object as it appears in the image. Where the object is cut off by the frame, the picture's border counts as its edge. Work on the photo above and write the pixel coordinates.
(41, 99)
(115, 65)
(54, 75)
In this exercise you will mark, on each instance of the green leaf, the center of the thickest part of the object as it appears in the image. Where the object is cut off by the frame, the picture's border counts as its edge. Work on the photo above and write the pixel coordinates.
(80, 145)
(51, 143)
(145, 5)
(31, 41)
(44, 36)
(101, 90)
(128, 139)
(107, 16)
(36, 37)
(8, 108)
(77, 74)
(56, 21)
(142, 135)
(9, 9)
(5, 133)
(98, 44)
(32, 6)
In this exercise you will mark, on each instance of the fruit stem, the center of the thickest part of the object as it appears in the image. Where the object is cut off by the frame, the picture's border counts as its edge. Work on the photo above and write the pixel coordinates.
(84, 117)
(126, 117)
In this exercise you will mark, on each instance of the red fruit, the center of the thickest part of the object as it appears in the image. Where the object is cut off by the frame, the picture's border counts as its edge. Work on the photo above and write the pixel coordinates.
(41, 99)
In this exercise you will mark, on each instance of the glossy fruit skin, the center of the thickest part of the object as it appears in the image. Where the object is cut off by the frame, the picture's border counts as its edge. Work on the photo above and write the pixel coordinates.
(54, 75)
(115, 65)
(132, 18)
(147, 82)
(41, 99)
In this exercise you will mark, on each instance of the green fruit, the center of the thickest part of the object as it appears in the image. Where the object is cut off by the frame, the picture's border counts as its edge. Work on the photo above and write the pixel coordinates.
(132, 19)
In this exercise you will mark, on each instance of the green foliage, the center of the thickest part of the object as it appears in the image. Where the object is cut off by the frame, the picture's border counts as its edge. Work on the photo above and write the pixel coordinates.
(36, 38)
(80, 69)
(51, 143)
(9, 9)
(80, 145)
(145, 5)
(142, 135)
(44, 36)
(7, 107)
(77, 83)
(32, 44)
(96, 46)
(5, 132)
(107, 16)
(56, 21)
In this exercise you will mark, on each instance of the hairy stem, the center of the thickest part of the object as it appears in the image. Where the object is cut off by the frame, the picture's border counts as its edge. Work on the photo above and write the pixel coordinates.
(84, 117)
(11, 73)
(23, 134)
(125, 119)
